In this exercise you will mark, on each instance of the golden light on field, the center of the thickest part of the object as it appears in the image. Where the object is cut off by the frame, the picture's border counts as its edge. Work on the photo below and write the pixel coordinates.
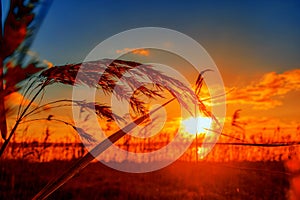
(195, 125)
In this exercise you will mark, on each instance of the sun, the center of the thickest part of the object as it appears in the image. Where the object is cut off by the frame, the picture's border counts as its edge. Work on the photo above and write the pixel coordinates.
(196, 125)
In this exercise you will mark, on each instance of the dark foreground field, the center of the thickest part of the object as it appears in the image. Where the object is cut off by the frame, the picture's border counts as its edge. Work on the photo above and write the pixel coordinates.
(247, 180)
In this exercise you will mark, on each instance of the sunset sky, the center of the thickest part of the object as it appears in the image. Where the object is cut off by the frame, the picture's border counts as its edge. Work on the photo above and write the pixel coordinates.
(194, 99)
(255, 45)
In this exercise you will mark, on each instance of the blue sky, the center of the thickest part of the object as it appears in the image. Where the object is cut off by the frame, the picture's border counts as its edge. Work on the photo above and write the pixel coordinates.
(245, 36)
(246, 39)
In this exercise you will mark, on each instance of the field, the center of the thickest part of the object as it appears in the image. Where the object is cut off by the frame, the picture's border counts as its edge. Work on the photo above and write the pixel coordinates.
(181, 180)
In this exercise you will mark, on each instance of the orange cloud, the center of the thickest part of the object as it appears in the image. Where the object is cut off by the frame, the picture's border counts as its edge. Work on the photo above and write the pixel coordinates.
(48, 63)
(268, 91)
(142, 52)
(15, 99)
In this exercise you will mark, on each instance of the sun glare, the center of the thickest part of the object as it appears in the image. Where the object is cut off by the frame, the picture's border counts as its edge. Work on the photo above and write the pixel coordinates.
(196, 125)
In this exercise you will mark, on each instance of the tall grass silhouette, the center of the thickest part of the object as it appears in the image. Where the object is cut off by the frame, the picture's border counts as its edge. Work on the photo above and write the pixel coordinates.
(175, 87)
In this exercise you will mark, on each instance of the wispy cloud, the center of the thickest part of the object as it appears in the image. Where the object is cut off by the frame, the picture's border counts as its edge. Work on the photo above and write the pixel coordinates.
(267, 92)
(48, 63)
(142, 52)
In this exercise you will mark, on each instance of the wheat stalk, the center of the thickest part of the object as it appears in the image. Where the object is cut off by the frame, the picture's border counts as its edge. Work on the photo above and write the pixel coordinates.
(104, 74)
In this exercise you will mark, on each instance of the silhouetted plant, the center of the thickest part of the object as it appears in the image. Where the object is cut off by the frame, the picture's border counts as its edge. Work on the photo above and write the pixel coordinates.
(19, 28)
(175, 87)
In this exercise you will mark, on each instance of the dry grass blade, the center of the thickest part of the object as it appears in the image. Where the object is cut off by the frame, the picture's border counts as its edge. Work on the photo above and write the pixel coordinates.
(199, 81)
(235, 122)
(79, 130)
(226, 135)
(235, 116)
(201, 105)
(103, 111)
